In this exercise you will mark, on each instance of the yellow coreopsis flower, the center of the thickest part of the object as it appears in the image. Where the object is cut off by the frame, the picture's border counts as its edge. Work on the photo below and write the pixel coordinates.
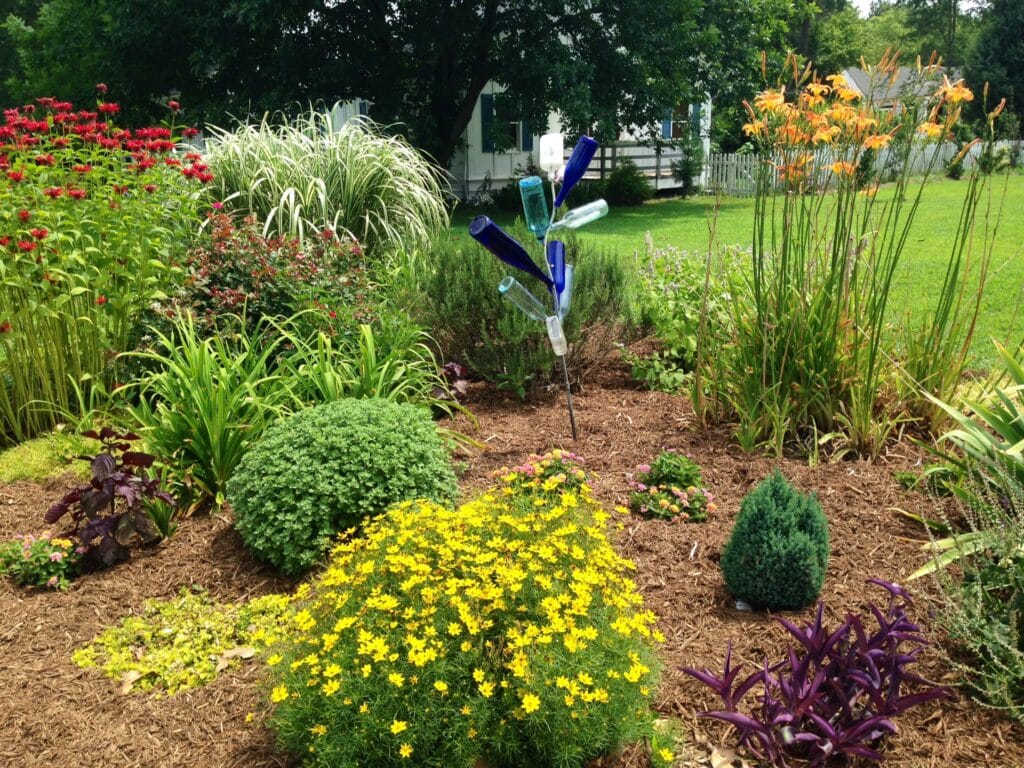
(405, 750)
(531, 703)
(279, 694)
(397, 726)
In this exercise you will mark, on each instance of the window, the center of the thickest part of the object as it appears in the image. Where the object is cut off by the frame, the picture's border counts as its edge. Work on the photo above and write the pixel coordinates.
(364, 108)
(513, 135)
(682, 121)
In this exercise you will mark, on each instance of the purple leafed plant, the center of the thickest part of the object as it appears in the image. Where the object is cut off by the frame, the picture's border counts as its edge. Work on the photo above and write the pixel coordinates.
(834, 693)
(109, 511)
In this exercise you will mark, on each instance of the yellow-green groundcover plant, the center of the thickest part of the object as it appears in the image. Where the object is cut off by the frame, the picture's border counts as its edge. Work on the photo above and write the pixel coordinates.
(506, 632)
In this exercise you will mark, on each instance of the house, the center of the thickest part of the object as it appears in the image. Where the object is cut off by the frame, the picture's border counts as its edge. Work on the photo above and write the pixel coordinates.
(887, 94)
(478, 165)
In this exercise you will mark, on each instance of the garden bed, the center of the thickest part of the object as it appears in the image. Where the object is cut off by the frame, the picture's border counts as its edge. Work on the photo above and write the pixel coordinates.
(52, 712)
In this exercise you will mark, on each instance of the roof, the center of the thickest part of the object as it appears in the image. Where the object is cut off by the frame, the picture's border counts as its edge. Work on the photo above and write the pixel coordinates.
(907, 82)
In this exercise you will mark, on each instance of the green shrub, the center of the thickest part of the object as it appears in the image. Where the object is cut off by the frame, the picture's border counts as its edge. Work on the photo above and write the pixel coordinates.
(504, 633)
(777, 554)
(686, 170)
(472, 324)
(327, 468)
(627, 186)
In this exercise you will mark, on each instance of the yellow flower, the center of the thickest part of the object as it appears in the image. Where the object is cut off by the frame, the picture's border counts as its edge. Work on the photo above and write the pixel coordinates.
(666, 754)
(318, 730)
(530, 703)
(954, 92)
(930, 130)
(441, 686)
(843, 168)
(770, 101)
(487, 689)
(364, 708)
(397, 726)
(279, 694)
(331, 687)
(396, 679)
(249, 716)
(275, 659)
(405, 750)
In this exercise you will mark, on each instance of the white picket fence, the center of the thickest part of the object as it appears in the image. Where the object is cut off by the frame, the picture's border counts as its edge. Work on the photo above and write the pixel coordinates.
(735, 175)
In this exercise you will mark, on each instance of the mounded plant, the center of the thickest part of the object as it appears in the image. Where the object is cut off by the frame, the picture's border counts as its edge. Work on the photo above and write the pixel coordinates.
(327, 469)
(671, 487)
(506, 632)
(777, 553)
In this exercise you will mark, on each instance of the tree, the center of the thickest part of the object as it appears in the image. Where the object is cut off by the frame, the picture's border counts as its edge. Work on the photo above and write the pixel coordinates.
(998, 55)
(886, 29)
(602, 63)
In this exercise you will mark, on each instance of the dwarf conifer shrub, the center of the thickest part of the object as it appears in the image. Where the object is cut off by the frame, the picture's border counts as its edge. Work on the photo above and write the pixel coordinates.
(506, 633)
(776, 556)
(327, 468)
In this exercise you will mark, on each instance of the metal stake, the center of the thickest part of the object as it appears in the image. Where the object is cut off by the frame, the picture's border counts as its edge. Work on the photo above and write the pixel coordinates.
(568, 397)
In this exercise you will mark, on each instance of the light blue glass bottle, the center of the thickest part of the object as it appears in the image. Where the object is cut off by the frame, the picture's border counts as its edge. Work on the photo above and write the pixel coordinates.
(535, 206)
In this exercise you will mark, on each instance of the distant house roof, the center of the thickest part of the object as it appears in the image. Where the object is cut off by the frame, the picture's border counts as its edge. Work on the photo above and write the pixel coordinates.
(886, 93)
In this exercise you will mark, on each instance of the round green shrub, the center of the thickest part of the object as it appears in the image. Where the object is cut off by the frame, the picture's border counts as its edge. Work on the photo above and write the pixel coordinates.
(627, 185)
(776, 556)
(327, 468)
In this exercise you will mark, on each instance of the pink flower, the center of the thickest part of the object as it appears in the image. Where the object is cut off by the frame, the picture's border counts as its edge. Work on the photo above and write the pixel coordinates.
(218, 206)
(52, 582)
(56, 557)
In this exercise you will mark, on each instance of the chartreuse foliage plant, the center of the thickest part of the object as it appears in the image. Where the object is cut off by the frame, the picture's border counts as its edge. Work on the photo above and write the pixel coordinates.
(313, 174)
(777, 553)
(91, 220)
(178, 644)
(505, 632)
(327, 469)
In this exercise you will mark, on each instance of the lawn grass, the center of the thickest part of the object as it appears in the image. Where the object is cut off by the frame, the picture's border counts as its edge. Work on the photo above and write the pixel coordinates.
(685, 224)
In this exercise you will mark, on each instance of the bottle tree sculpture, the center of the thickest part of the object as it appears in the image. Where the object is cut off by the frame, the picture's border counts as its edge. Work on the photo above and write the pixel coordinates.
(557, 275)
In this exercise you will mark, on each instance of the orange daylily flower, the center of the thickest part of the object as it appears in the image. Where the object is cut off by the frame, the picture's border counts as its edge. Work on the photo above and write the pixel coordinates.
(770, 101)
(954, 92)
(930, 130)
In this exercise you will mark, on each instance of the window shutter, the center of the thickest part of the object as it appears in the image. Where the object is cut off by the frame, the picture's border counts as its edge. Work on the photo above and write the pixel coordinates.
(486, 122)
(666, 125)
(364, 107)
(695, 119)
(527, 131)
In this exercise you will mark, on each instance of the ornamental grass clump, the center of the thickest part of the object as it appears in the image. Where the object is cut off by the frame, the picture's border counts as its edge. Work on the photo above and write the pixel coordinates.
(506, 632)
(777, 553)
(313, 174)
(327, 469)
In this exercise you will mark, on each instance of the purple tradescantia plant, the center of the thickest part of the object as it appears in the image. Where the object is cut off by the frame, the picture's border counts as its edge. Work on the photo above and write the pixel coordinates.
(835, 692)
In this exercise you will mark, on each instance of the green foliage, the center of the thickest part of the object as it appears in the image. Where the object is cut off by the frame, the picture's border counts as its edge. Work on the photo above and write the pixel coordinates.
(505, 633)
(459, 301)
(673, 299)
(394, 363)
(687, 168)
(627, 186)
(235, 270)
(44, 457)
(777, 553)
(40, 562)
(983, 606)
(328, 468)
(90, 221)
(304, 177)
(179, 644)
(998, 54)
(204, 403)
(670, 487)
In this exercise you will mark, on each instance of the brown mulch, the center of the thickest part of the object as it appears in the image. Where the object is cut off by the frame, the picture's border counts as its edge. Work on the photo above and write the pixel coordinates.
(52, 713)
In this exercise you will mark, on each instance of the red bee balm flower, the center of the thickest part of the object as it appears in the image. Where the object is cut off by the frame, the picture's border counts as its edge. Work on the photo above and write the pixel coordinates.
(77, 194)
(101, 299)
(173, 105)
(15, 176)
(101, 87)
(24, 215)
(45, 160)
(53, 192)
(26, 245)
(38, 234)
(109, 108)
